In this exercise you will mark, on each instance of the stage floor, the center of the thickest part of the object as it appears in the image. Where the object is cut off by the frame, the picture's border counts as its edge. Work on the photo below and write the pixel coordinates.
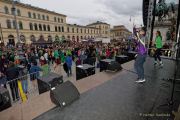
(122, 98)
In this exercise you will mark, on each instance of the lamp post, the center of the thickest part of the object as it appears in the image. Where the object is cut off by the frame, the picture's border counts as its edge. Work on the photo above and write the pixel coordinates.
(19, 44)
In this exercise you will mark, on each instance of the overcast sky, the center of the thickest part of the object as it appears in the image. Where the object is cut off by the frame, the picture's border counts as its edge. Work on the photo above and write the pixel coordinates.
(83, 12)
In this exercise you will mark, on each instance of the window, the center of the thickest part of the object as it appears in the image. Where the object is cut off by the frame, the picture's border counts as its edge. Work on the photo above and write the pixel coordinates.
(62, 29)
(29, 14)
(72, 30)
(67, 29)
(59, 29)
(48, 27)
(20, 25)
(6, 10)
(35, 26)
(54, 19)
(81, 30)
(30, 26)
(40, 27)
(47, 17)
(8, 22)
(12, 11)
(18, 12)
(39, 16)
(58, 19)
(56, 28)
(84, 30)
(34, 15)
(62, 21)
(43, 17)
(44, 27)
(14, 24)
(77, 30)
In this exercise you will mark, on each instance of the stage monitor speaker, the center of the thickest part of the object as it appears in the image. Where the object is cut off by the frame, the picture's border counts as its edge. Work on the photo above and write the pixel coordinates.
(45, 83)
(114, 66)
(5, 101)
(64, 94)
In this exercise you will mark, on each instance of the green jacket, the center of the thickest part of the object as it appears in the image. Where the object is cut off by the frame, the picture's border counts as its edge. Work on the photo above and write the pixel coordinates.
(158, 42)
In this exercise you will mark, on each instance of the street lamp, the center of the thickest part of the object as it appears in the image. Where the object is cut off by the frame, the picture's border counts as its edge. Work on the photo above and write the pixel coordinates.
(19, 44)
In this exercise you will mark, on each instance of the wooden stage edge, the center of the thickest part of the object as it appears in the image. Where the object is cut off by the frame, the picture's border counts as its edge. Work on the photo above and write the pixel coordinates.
(42, 103)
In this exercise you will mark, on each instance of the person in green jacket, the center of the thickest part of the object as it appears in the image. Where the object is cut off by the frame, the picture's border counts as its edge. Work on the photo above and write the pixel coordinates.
(158, 45)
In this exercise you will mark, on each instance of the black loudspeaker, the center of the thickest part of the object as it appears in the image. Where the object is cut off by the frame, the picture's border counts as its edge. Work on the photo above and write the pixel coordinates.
(121, 59)
(84, 70)
(5, 101)
(131, 55)
(109, 64)
(45, 83)
(64, 94)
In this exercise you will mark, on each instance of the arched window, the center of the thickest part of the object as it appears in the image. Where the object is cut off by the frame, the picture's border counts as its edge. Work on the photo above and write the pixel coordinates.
(35, 26)
(62, 21)
(39, 16)
(48, 27)
(56, 28)
(6, 10)
(54, 19)
(43, 17)
(14, 24)
(44, 27)
(72, 30)
(29, 14)
(30, 26)
(50, 38)
(47, 17)
(67, 29)
(40, 27)
(59, 29)
(58, 19)
(81, 37)
(81, 30)
(34, 15)
(33, 38)
(20, 25)
(62, 29)
(18, 12)
(8, 22)
(11, 40)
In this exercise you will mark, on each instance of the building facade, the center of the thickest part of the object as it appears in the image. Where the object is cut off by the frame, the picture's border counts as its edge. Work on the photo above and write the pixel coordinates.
(36, 23)
(104, 28)
(120, 33)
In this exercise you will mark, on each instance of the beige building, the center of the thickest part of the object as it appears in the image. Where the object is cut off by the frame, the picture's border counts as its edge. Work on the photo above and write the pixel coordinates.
(120, 32)
(104, 28)
(36, 23)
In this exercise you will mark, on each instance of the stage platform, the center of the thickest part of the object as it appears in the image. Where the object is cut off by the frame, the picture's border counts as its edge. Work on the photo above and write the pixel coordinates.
(123, 99)
(108, 96)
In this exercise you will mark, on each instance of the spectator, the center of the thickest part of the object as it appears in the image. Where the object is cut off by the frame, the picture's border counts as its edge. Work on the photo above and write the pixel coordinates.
(69, 64)
(12, 75)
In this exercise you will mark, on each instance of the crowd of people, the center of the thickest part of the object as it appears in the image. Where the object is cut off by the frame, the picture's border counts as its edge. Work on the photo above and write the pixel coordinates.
(15, 66)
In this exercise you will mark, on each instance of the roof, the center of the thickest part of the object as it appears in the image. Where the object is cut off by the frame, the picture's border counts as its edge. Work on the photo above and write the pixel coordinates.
(32, 7)
(97, 23)
(75, 25)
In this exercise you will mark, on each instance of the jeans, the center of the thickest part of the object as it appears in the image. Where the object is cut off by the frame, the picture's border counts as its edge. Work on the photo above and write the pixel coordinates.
(24, 85)
(157, 54)
(69, 71)
(14, 89)
(139, 62)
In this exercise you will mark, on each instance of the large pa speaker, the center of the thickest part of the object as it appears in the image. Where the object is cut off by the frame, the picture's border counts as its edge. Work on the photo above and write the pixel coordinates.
(45, 83)
(109, 64)
(5, 101)
(64, 94)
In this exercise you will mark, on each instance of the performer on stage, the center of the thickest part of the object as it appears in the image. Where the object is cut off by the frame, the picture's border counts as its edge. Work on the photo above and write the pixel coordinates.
(141, 56)
(158, 45)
